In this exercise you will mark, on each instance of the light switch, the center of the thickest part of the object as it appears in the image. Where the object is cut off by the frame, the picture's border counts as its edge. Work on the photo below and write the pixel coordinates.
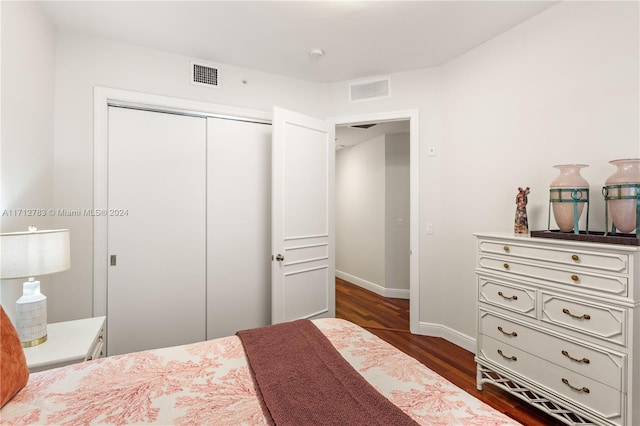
(429, 229)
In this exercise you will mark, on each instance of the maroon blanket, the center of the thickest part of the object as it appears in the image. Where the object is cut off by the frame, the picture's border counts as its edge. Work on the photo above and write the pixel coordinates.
(303, 380)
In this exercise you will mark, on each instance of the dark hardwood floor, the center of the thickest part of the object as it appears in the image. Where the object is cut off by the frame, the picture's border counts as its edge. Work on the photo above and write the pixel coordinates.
(388, 319)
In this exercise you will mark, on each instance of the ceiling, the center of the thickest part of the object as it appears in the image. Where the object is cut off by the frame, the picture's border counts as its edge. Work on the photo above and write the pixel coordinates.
(359, 38)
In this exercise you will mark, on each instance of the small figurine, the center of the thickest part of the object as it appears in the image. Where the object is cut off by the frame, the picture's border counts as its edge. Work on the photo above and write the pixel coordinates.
(521, 223)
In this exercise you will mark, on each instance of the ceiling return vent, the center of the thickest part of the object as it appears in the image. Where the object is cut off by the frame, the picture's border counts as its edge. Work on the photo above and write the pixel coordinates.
(370, 89)
(205, 74)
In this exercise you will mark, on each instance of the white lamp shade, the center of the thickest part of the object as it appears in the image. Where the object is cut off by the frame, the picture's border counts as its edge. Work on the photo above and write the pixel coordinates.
(34, 253)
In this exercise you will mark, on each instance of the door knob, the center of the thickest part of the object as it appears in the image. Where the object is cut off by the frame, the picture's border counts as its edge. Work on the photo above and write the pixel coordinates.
(279, 258)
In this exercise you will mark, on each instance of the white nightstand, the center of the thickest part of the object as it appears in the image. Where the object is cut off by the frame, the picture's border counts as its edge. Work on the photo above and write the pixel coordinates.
(67, 343)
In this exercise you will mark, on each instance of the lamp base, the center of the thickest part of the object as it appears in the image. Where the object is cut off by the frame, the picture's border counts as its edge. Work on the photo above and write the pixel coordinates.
(31, 315)
(34, 342)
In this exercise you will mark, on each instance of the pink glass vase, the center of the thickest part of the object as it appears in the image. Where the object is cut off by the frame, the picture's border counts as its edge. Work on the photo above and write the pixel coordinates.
(569, 178)
(623, 212)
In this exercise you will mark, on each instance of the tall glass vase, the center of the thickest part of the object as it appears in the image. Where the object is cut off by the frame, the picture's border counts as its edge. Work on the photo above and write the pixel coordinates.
(621, 190)
(569, 190)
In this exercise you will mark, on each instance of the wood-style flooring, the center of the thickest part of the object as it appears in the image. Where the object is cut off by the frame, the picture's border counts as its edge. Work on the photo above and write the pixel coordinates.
(388, 318)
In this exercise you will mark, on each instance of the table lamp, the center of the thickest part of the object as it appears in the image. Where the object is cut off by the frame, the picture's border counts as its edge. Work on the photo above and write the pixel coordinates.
(27, 255)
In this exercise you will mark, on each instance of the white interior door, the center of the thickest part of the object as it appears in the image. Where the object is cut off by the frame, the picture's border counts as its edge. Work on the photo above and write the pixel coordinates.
(156, 291)
(303, 264)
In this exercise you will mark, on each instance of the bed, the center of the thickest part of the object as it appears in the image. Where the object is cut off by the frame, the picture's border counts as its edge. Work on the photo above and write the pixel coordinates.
(212, 383)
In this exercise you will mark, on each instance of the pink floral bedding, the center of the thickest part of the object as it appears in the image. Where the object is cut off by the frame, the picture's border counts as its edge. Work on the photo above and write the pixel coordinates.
(209, 383)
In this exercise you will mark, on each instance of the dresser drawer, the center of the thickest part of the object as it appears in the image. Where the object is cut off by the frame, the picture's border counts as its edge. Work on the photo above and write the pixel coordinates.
(609, 262)
(606, 322)
(571, 277)
(603, 399)
(506, 295)
(600, 365)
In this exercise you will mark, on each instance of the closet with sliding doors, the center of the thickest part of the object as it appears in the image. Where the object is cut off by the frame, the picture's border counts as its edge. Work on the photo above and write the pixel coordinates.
(188, 228)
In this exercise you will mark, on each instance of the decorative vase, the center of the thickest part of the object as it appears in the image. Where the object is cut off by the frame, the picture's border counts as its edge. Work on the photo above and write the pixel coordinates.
(569, 178)
(521, 225)
(623, 211)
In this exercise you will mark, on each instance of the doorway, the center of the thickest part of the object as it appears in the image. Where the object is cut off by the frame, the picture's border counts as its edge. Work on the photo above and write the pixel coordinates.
(378, 126)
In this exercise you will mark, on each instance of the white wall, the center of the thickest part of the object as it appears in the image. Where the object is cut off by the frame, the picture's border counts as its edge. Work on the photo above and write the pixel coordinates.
(84, 62)
(561, 87)
(360, 213)
(397, 198)
(27, 128)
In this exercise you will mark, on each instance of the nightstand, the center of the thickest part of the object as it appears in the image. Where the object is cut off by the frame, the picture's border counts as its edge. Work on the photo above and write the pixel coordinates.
(67, 343)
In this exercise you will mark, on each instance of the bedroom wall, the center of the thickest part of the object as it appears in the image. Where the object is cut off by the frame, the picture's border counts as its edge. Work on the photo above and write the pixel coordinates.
(561, 87)
(26, 161)
(84, 62)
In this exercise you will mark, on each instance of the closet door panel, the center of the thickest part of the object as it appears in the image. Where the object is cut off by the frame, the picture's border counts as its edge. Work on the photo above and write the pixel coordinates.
(238, 226)
(156, 293)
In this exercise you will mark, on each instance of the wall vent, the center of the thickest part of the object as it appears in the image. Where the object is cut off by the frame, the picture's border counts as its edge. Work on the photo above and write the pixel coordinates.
(205, 74)
(368, 90)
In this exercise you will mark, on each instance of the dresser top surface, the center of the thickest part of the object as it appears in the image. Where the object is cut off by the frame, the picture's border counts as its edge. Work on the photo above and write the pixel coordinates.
(527, 239)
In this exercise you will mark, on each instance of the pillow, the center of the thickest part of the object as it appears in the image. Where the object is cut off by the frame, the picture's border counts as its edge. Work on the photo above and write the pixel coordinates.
(14, 372)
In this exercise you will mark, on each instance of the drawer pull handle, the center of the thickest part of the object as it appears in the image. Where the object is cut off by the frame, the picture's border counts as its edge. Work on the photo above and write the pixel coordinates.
(100, 338)
(575, 257)
(506, 266)
(582, 389)
(513, 333)
(506, 248)
(583, 360)
(583, 316)
(575, 278)
(501, 294)
(510, 358)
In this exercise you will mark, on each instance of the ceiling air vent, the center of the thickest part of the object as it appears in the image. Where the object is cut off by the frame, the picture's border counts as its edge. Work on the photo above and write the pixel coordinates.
(368, 90)
(204, 74)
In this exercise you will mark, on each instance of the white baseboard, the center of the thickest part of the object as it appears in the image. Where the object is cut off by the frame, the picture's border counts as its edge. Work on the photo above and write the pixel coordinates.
(396, 293)
(449, 334)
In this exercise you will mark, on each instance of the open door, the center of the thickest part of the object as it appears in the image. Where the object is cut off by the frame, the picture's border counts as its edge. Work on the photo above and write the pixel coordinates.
(303, 256)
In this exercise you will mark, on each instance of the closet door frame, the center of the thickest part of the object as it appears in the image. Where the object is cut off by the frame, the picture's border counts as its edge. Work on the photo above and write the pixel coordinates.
(103, 98)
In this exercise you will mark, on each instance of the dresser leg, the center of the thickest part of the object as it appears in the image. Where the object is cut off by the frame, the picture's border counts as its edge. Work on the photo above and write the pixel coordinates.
(478, 377)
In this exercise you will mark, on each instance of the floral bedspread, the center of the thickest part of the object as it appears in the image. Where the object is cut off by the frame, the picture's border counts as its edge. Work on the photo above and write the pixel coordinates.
(209, 383)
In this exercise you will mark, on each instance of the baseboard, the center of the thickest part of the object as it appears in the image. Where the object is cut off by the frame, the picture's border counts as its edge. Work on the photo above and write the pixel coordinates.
(449, 334)
(396, 293)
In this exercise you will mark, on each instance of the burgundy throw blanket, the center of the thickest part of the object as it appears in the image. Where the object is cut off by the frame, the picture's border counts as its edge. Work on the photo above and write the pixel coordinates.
(303, 380)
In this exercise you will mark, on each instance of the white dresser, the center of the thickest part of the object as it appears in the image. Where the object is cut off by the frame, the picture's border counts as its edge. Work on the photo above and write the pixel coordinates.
(558, 325)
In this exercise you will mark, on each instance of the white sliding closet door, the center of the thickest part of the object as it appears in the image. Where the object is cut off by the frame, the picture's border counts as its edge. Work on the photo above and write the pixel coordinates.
(238, 226)
(156, 291)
